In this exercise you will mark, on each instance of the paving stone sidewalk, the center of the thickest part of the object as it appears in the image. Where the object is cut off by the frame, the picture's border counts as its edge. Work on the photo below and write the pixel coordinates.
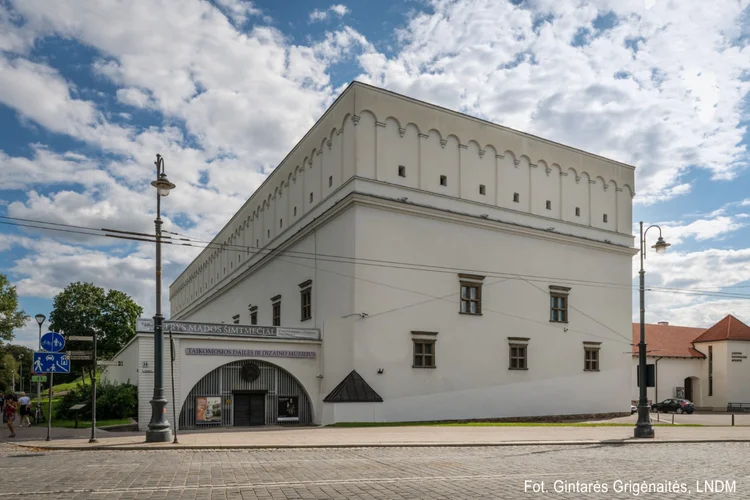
(321, 437)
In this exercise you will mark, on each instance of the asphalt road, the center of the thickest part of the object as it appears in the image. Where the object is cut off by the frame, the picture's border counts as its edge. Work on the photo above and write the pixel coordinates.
(380, 473)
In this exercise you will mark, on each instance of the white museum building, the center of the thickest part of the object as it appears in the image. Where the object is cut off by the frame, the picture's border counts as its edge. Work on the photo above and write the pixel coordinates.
(406, 262)
(708, 366)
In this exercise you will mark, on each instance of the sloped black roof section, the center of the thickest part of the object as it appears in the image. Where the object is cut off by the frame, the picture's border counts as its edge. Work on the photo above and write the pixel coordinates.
(353, 389)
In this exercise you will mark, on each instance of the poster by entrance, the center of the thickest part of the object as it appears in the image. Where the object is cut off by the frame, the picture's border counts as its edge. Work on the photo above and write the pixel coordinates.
(208, 410)
(288, 409)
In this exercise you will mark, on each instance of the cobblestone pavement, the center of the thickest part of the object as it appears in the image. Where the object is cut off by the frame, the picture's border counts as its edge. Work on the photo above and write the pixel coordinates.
(375, 473)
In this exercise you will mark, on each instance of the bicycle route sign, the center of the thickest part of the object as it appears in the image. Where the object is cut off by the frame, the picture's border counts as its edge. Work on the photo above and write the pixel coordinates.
(53, 342)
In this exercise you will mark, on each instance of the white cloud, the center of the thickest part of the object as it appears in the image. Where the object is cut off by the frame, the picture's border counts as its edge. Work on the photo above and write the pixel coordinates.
(239, 10)
(661, 89)
(133, 97)
(321, 15)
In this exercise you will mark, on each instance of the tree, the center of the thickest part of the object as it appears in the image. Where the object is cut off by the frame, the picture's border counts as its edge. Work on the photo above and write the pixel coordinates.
(86, 309)
(13, 357)
(11, 317)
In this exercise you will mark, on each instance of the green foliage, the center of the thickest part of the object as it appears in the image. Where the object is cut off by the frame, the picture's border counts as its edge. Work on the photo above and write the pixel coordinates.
(11, 317)
(86, 309)
(113, 401)
(11, 358)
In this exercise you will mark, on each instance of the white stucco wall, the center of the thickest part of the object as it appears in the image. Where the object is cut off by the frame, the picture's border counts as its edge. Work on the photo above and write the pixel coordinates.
(671, 373)
(128, 372)
(472, 379)
(370, 132)
(720, 397)
(738, 372)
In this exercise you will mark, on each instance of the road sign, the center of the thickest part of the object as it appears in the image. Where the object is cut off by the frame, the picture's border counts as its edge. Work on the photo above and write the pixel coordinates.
(80, 355)
(53, 342)
(38, 378)
(71, 338)
(51, 362)
(109, 363)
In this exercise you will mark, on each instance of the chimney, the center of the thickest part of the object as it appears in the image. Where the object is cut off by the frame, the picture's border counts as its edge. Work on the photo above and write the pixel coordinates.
(664, 323)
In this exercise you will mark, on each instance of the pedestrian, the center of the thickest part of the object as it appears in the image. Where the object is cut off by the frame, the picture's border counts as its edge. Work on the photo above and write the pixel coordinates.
(9, 411)
(24, 408)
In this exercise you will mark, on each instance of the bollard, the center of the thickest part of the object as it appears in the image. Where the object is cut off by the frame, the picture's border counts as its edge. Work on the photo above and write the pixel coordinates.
(672, 418)
(732, 419)
(658, 417)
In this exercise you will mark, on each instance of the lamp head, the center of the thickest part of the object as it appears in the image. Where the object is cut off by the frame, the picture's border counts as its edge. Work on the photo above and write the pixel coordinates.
(40, 318)
(661, 246)
(162, 185)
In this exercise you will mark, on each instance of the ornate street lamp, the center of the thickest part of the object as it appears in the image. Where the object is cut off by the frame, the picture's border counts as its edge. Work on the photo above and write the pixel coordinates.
(644, 429)
(158, 428)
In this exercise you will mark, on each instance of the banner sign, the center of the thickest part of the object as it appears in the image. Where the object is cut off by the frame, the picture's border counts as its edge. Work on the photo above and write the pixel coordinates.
(208, 410)
(288, 409)
(147, 325)
(266, 353)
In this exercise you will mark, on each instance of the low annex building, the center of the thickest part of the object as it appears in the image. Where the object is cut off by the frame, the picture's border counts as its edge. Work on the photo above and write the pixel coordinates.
(447, 265)
(709, 367)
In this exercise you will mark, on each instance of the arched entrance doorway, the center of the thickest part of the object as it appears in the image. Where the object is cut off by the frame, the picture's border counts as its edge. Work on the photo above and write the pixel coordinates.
(245, 393)
(693, 390)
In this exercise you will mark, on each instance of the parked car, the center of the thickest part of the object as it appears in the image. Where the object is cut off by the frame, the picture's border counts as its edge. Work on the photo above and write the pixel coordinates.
(633, 409)
(675, 405)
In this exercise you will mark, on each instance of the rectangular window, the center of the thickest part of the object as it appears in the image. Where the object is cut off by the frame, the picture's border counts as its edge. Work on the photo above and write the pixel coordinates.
(578, 211)
(443, 180)
(269, 233)
(605, 218)
(710, 370)
(295, 211)
(253, 314)
(471, 293)
(306, 300)
(401, 171)
(548, 205)
(516, 197)
(276, 311)
(482, 189)
(424, 353)
(236, 319)
(518, 360)
(311, 197)
(558, 297)
(330, 180)
(281, 222)
(591, 358)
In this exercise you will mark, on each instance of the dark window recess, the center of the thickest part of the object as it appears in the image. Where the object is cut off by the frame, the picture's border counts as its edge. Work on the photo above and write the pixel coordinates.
(330, 180)
(269, 233)
(605, 218)
(548, 205)
(516, 197)
(295, 211)
(710, 370)
(578, 211)
(257, 243)
(401, 171)
(482, 189)
(558, 303)
(236, 319)
(443, 180)
(311, 197)
(518, 360)
(281, 222)
(306, 300)
(276, 311)
(591, 359)
(254, 318)
(424, 353)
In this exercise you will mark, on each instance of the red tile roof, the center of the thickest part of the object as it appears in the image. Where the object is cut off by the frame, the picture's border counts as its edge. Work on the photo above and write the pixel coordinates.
(668, 340)
(729, 328)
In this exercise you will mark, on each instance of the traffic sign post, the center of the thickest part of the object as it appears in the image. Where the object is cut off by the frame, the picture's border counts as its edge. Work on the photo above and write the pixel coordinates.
(93, 397)
(53, 342)
(80, 338)
(51, 362)
(80, 355)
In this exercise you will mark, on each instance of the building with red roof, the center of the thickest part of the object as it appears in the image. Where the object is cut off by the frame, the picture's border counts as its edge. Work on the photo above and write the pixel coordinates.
(706, 366)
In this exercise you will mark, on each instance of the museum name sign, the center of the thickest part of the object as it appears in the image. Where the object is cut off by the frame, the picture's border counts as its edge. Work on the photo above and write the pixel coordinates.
(268, 353)
(147, 325)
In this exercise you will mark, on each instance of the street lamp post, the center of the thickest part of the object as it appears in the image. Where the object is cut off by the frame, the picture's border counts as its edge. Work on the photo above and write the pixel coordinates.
(20, 370)
(644, 429)
(39, 319)
(158, 428)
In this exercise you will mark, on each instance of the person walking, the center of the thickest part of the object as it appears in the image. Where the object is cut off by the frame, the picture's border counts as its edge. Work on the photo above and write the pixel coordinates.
(9, 411)
(24, 408)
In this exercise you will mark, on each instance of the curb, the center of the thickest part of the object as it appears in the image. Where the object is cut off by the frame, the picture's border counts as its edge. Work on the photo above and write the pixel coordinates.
(170, 446)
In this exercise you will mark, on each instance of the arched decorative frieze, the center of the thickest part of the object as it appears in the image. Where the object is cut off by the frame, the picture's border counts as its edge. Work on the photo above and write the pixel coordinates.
(355, 120)
(366, 144)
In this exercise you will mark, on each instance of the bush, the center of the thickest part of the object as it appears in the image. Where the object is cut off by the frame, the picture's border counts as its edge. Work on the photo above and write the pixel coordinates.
(113, 401)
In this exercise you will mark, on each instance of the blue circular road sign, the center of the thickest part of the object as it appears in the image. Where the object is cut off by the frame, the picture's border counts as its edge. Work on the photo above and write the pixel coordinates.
(53, 342)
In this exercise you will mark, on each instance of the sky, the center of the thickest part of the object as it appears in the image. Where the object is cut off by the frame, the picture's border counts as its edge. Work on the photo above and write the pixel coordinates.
(223, 89)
